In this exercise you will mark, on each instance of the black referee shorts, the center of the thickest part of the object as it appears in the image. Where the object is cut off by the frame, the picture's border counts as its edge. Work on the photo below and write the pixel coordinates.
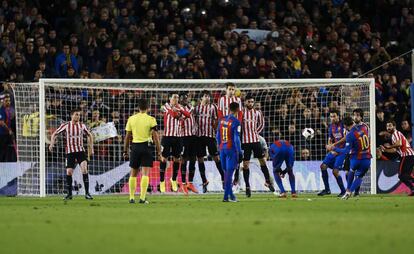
(190, 146)
(172, 146)
(250, 148)
(210, 143)
(141, 155)
(75, 158)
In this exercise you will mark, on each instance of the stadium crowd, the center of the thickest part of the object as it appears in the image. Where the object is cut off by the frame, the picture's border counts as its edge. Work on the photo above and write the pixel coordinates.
(207, 39)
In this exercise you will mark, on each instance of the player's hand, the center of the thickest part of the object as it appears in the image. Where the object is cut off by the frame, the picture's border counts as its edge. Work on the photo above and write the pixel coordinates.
(51, 147)
(125, 155)
(159, 157)
(92, 152)
(382, 148)
(334, 153)
(329, 147)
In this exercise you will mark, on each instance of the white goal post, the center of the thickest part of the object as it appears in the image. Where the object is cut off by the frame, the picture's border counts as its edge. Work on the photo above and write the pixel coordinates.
(275, 95)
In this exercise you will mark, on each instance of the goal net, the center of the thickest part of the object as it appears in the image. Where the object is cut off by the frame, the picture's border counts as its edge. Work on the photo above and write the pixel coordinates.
(289, 106)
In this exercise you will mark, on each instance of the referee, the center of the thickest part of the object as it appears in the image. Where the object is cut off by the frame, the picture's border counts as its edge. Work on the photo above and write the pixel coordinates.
(142, 129)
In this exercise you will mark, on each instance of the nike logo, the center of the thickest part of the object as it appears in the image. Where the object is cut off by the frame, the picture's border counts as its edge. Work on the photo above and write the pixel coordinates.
(386, 183)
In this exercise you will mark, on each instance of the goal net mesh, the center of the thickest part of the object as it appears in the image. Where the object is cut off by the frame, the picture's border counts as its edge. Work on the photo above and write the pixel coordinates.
(288, 108)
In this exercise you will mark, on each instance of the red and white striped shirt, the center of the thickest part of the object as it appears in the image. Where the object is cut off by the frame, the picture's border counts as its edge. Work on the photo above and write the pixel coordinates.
(252, 125)
(206, 117)
(74, 133)
(172, 116)
(224, 105)
(188, 124)
(405, 148)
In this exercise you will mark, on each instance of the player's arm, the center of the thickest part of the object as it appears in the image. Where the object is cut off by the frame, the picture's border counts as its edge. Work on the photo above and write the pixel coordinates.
(127, 139)
(260, 122)
(218, 135)
(395, 144)
(220, 109)
(185, 112)
(156, 138)
(61, 128)
(236, 139)
(272, 152)
(347, 148)
(342, 140)
(172, 112)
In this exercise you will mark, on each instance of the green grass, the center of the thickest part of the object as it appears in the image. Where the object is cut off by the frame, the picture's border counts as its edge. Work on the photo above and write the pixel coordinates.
(203, 224)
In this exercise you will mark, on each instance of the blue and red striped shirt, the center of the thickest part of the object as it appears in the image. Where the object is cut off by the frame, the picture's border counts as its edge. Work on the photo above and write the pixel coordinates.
(336, 132)
(357, 143)
(228, 133)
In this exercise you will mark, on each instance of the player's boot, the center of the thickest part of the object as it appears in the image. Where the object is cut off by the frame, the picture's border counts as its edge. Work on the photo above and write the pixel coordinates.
(356, 194)
(294, 195)
(233, 199)
(283, 195)
(88, 196)
(68, 197)
(192, 188)
(174, 185)
(184, 188)
(205, 187)
(341, 194)
(248, 192)
(346, 196)
(143, 201)
(269, 185)
(324, 192)
(162, 187)
(132, 201)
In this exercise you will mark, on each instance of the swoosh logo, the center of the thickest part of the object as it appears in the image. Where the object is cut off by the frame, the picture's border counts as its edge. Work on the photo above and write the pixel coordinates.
(386, 183)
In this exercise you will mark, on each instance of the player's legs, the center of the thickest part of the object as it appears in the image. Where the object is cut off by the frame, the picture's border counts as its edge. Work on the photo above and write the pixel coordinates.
(166, 152)
(231, 162)
(289, 161)
(247, 149)
(134, 164)
(176, 153)
(192, 160)
(212, 151)
(404, 173)
(260, 155)
(360, 168)
(85, 176)
(70, 165)
(329, 160)
(146, 159)
(339, 159)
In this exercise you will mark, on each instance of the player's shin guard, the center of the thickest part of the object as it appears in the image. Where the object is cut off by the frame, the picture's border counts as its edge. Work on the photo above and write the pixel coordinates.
(325, 178)
(357, 182)
(86, 182)
(292, 181)
(176, 167)
(163, 166)
(202, 168)
(340, 183)
(132, 187)
(191, 171)
(144, 186)
(265, 171)
(184, 172)
(278, 181)
(220, 170)
(69, 184)
(246, 176)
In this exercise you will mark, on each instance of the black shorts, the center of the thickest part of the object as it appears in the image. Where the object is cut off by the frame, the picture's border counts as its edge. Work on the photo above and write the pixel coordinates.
(75, 158)
(171, 147)
(210, 143)
(190, 146)
(141, 155)
(248, 148)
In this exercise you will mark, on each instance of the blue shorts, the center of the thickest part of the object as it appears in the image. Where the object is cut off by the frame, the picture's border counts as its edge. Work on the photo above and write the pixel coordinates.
(283, 154)
(360, 167)
(334, 161)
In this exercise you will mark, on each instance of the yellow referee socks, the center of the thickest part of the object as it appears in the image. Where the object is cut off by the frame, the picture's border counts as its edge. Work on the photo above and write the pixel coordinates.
(144, 187)
(132, 187)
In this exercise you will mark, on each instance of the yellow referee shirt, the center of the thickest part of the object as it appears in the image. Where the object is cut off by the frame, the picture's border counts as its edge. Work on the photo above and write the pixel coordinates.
(141, 125)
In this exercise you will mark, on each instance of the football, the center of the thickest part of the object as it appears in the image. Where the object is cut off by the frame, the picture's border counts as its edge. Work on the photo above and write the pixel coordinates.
(308, 133)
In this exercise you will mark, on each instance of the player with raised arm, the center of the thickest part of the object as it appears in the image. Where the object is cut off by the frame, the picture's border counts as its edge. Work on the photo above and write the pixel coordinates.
(282, 151)
(358, 147)
(252, 125)
(74, 131)
(403, 148)
(141, 128)
(171, 140)
(228, 139)
(333, 160)
(188, 136)
(224, 109)
(207, 119)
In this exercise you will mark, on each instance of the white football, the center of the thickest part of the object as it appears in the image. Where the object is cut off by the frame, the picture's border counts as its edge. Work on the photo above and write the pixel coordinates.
(308, 133)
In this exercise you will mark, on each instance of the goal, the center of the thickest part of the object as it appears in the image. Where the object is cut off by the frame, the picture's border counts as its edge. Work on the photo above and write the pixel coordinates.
(288, 106)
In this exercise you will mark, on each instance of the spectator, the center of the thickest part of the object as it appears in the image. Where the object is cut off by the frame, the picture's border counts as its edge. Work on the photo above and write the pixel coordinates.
(64, 61)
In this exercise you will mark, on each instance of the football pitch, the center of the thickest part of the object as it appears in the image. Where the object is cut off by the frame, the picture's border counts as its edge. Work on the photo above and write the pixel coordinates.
(204, 224)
